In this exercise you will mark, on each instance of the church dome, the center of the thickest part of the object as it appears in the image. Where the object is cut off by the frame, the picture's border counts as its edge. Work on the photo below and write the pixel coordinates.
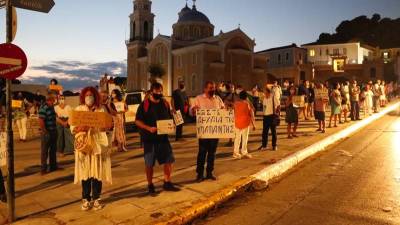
(192, 15)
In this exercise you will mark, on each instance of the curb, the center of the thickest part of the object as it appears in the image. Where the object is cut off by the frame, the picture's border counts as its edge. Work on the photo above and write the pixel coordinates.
(263, 176)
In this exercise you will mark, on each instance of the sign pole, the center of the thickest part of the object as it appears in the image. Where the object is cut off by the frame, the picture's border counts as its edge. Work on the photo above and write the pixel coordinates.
(10, 141)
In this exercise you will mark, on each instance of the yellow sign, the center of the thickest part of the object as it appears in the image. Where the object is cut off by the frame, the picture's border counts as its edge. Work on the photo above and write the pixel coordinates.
(55, 87)
(119, 106)
(165, 127)
(321, 93)
(215, 123)
(16, 104)
(3, 149)
(298, 101)
(90, 119)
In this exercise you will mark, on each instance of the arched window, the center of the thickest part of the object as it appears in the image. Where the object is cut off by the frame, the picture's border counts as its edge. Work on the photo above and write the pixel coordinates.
(133, 30)
(193, 82)
(146, 30)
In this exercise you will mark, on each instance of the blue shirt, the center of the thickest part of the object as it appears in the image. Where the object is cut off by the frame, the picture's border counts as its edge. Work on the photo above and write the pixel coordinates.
(48, 114)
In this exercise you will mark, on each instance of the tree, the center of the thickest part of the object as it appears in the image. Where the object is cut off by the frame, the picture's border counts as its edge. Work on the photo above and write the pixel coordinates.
(156, 71)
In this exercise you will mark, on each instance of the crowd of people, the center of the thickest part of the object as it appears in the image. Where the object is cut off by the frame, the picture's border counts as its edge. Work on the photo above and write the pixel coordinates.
(274, 101)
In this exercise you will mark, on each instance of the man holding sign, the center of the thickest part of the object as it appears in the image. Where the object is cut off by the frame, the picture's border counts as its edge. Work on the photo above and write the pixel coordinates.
(151, 112)
(207, 147)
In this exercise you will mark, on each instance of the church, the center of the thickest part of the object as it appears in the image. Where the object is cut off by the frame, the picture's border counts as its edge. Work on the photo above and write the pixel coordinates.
(193, 53)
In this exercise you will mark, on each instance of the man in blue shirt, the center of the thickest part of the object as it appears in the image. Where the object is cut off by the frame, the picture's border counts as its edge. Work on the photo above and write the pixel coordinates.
(48, 127)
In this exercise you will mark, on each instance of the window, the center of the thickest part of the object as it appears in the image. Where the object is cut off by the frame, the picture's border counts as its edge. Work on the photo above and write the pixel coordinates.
(194, 59)
(335, 51)
(320, 52)
(344, 51)
(193, 82)
(338, 65)
(146, 30)
(327, 51)
(279, 58)
(287, 56)
(372, 72)
(312, 52)
(386, 55)
(302, 75)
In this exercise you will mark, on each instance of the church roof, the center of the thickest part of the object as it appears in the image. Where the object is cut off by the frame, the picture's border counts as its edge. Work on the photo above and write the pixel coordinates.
(192, 15)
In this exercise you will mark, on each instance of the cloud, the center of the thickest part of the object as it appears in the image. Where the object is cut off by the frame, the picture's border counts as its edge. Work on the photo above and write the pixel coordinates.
(73, 75)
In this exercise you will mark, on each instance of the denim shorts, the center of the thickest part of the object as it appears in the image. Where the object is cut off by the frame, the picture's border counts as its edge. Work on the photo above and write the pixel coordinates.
(162, 152)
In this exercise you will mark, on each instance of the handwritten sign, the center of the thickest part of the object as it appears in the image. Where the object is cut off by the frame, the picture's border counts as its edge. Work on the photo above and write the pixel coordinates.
(130, 115)
(16, 104)
(3, 149)
(215, 123)
(298, 101)
(55, 87)
(178, 118)
(119, 106)
(321, 93)
(90, 119)
(165, 127)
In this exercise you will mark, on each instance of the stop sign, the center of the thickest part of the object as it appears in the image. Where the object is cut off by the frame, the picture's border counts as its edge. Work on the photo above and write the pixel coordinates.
(13, 61)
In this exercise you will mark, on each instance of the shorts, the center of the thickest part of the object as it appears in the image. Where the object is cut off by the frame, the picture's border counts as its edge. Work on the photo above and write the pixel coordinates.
(319, 115)
(162, 152)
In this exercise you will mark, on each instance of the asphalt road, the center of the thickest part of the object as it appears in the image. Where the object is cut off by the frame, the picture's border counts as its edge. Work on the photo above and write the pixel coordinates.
(356, 181)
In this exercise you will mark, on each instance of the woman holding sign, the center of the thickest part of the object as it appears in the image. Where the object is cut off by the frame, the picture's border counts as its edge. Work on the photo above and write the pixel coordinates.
(117, 109)
(92, 156)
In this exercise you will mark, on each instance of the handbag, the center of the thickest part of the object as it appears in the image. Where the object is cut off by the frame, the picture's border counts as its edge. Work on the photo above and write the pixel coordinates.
(276, 119)
(84, 142)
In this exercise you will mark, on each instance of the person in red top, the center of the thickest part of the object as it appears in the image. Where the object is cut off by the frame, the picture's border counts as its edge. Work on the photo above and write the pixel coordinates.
(244, 116)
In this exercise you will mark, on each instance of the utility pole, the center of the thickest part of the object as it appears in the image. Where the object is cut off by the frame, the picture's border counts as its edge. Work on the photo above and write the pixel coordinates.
(9, 130)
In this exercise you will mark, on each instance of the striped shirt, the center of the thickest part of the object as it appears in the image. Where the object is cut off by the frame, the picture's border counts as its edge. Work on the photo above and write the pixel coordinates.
(48, 115)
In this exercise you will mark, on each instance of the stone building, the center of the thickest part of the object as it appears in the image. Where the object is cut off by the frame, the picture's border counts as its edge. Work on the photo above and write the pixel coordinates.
(193, 53)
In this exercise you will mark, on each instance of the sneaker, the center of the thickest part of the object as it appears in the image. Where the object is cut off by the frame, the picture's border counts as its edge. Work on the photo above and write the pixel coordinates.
(237, 156)
(85, 205)
(97, 205)
(168, 186)
(247, 156)
(151, 189)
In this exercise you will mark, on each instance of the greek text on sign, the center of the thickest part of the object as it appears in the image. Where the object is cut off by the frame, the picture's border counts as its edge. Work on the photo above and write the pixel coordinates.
(165, 127)
(17, 104)
(321, 93)
(99, 120)
(178, 118)
(298, 101)
(215, 123)
(3, 149)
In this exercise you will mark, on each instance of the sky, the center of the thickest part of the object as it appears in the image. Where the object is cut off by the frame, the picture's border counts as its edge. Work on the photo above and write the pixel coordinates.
(81, 39)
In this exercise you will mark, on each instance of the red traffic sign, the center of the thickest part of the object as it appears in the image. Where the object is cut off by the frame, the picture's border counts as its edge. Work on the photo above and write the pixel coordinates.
(13, 61)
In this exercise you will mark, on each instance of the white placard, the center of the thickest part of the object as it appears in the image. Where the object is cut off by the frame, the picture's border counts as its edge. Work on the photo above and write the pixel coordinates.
(119, 106)
(321, 93)
(178, 118)
(165, 127)
(298, 101)
(3, 149)
(215, 123)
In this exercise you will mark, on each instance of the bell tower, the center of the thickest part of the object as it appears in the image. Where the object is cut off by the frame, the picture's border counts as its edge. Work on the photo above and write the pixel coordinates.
(141, 33)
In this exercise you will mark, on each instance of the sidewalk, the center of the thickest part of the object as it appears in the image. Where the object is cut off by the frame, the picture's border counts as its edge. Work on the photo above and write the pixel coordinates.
(54, 199)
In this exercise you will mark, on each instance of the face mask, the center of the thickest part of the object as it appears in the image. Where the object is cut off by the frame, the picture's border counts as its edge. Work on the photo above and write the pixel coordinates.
(157, 96)
(89, 100)
(211, 93)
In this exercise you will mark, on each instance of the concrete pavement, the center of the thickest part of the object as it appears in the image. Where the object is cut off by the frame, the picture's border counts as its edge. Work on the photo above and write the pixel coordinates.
(53, 199)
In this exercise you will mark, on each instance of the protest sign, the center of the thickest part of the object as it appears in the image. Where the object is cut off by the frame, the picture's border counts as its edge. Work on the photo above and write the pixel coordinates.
(298, 101)
(17, 104)
(3, 149)
(55, 87)
(119, 106)
(215, 123)
(321, 93)
(178, 118)
(130, 115)
(165, 127)
(91, 119)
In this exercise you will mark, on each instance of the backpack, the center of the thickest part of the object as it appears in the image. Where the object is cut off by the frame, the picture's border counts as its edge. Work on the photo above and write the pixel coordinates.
(146, 104)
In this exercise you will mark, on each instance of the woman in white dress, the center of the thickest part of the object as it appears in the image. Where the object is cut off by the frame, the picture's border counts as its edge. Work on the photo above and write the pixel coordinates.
(94, 168)
(368, 100)
(383, 96)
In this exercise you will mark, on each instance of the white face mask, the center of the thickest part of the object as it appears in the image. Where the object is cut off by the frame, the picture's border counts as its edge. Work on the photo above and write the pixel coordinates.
(89, 100)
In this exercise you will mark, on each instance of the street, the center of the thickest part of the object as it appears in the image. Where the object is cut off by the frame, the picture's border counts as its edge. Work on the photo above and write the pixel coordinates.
(355, 182)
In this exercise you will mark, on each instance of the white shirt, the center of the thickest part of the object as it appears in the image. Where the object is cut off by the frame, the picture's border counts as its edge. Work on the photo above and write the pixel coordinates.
(268, 106)
(63, 113)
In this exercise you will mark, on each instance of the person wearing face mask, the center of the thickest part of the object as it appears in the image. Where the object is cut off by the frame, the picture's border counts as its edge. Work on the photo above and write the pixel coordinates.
(118, 108)
(207, 147)
(94, 168)
(156, 146)
(180, 102)
(48, 127)
(64, 136)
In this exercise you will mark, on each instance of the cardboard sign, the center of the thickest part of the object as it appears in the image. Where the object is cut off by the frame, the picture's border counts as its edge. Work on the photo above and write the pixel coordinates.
(130, 115)
(119, 106)
(16, 104)
(298, 101)
(215, 123)
(90, 119)
(178, 118)
(321, 93)
(165, 127)
(3, 149)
